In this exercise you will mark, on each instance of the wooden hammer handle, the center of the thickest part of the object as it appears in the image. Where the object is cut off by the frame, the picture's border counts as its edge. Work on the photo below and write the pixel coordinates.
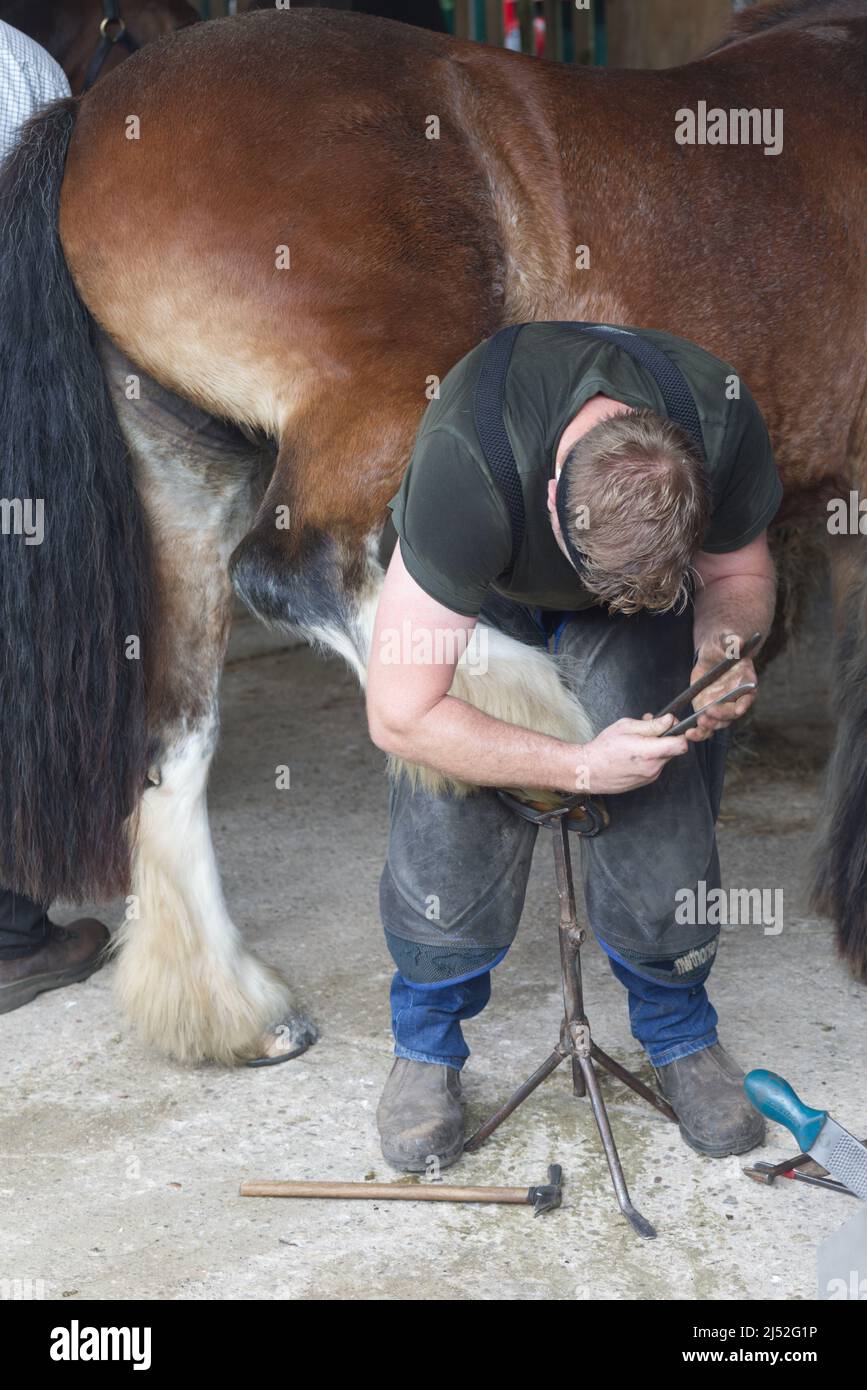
(387, 1191)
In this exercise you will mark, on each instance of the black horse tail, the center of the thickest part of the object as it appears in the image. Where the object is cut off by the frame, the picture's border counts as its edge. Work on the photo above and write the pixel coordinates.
(74, 566)
(840, 883)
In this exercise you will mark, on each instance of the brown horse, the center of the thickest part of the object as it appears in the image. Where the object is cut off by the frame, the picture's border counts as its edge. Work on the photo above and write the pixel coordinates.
(89, 38)
(286, 226)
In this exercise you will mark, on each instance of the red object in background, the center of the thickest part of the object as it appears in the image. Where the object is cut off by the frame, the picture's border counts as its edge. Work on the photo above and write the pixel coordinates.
(512, 29)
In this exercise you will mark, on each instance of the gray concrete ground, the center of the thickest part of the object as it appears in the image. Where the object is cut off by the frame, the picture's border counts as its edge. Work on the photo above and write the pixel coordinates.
(120, 1171)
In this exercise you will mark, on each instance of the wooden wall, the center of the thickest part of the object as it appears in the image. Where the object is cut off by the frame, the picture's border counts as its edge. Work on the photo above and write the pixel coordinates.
(662, 33)
(639, 33)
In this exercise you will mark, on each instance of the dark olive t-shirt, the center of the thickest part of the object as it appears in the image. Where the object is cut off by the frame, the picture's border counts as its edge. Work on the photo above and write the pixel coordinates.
(454, 527)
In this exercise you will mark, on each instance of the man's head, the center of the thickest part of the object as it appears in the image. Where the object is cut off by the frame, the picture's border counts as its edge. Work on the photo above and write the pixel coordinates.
(632, 503)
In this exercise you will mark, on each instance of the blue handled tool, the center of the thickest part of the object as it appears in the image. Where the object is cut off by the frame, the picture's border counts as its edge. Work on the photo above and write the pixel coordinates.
(814, 1130)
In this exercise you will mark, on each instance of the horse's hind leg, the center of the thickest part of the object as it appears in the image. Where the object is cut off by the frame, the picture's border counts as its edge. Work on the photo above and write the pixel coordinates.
(840, 881)
(185, 977)
(335, 470)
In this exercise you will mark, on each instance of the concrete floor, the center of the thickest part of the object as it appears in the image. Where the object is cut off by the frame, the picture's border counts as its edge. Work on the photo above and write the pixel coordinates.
(120, 1171)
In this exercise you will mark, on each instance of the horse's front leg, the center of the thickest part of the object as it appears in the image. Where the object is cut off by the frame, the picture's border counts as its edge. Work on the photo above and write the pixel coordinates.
(185, 977)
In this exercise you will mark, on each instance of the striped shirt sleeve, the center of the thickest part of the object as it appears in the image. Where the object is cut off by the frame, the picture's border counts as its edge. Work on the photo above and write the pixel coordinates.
(29, 79)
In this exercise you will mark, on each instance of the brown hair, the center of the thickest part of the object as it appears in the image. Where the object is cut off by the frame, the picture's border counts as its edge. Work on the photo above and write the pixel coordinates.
(641, 501)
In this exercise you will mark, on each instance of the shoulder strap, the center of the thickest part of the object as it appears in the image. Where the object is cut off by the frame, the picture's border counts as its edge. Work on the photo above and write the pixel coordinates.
(491, 429)
(673, 386)
(488, 401)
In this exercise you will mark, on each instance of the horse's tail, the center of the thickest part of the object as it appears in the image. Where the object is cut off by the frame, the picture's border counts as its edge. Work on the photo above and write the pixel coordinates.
(840, 884)
(74, 586)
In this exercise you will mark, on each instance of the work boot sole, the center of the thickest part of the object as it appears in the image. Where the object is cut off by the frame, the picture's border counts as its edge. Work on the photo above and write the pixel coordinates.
(722, 1150)
(419, 1165)
(20, 992)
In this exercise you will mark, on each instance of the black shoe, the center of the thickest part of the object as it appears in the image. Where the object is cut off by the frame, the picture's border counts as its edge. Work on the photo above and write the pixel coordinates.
(68, 955)
(419, 1116)
(706, 1090)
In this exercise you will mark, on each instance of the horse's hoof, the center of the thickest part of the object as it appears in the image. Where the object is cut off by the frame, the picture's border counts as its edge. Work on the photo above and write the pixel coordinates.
(285, 1040)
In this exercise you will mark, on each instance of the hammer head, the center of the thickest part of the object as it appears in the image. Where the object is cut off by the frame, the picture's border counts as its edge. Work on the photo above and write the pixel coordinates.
(547, 1197)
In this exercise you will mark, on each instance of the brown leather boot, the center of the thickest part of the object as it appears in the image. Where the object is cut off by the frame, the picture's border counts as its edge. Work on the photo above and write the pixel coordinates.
(706, 1090)
(69, 954)
(419, 1116)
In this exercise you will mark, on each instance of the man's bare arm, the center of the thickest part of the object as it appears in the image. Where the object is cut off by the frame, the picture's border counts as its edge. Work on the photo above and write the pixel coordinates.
(411, 714)
(736, 596)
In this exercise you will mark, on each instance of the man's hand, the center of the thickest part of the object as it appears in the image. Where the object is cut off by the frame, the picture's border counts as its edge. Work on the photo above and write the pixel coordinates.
(736, 595)
(627, 755)
(710, 653)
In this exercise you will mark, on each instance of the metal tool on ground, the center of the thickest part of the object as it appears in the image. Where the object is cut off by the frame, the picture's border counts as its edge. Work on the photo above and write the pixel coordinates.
(841, 1259)
(767, 1173)
(687, 696)
(817, 1134)
(543, 1197)
(576, 1042)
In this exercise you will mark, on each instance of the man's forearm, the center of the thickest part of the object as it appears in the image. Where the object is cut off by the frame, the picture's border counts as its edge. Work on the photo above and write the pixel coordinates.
(464, 743)
(739, 604)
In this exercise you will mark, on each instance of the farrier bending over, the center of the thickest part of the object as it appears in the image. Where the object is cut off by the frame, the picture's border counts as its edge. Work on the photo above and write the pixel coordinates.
(665, 557)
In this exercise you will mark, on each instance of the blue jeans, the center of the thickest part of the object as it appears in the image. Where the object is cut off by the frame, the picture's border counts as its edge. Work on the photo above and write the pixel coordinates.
(452, 890)
(669, 1021)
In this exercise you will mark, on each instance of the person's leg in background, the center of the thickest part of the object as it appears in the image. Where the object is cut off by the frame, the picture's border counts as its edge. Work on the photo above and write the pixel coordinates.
(660, 843)
(37, 955)
(451, 897)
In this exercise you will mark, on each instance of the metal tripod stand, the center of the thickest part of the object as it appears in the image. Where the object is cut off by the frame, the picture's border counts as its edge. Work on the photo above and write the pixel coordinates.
(575, 1038)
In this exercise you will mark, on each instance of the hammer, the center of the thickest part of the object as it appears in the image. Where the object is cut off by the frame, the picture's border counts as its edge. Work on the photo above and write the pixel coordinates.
(542, 1198)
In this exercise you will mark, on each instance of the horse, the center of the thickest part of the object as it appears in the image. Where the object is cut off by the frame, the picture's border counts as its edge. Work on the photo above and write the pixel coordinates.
(89, 38)
(240, 264)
